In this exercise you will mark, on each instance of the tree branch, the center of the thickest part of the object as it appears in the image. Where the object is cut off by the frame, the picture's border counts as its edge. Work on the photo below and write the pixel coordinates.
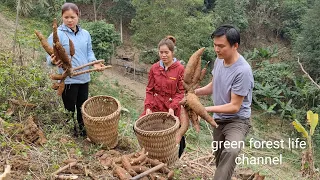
(64, 168)
(308, 74)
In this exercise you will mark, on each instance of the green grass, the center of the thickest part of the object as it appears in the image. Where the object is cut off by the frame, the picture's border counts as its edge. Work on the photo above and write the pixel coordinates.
(266, 128)
(101, 85)
(27, 42)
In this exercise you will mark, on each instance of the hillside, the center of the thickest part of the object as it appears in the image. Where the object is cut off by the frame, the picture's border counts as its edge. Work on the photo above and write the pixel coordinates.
(7, 29)
(31, 161)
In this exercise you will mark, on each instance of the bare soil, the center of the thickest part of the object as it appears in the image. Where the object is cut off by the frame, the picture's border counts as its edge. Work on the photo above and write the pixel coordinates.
(7, 28)
(136, 87)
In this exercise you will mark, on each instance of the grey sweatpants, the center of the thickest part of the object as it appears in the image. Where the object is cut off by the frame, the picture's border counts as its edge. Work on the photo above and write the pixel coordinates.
(229, 130)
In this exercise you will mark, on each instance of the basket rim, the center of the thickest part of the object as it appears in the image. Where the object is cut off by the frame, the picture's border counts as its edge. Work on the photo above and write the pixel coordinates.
(165, 131)
(99, 118)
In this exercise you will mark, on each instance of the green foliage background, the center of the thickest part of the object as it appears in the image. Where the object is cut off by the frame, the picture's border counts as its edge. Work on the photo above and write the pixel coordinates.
(104, 38)
(274, 34)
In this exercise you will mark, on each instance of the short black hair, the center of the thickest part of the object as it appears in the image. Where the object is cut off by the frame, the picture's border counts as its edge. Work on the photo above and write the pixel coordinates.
(231, 32)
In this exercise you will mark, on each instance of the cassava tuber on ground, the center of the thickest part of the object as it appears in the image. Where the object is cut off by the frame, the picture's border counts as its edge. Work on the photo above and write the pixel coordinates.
(144, 167)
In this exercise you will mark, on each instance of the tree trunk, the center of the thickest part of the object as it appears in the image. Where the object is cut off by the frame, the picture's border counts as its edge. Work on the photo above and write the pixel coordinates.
(112, 53)
(95, 10)
(121, 29)
(134, 70)
(15, 30)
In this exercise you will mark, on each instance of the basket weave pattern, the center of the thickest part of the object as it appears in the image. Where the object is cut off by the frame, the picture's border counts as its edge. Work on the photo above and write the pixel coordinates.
(101, 116)
(156, 133)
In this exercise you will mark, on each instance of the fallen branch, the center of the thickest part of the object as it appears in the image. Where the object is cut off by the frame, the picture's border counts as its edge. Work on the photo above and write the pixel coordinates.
(195, 168)
(1, 126)
(66, 176)
(154, 169)
(4, 175)
(208, 164)
(308, 74)
(277, 174)
(87, 172)
(64, 168)
(207, 168)
(22, 103)
(200, 158)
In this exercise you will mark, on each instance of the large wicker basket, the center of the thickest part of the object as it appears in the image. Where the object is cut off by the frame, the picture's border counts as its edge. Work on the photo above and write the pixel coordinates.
(156, 133)
(101, 116)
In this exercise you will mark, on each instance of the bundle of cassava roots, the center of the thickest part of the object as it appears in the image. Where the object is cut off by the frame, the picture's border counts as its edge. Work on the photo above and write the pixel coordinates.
(191, 107)
(62, 57)
(134, 166)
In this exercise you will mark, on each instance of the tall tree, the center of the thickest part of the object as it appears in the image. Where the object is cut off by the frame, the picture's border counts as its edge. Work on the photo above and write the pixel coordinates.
(208, 4)
(290, 16)
(231, 12)
(96, 5)
(22, 8)
(16, 28)
(182, 19)
(308, 42)
(122, 10)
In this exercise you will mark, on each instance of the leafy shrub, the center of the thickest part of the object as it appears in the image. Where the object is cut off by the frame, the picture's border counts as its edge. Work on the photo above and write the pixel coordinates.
(28, 83)
(278, 86)
(308, 42)
(104, 38)
(149, 56)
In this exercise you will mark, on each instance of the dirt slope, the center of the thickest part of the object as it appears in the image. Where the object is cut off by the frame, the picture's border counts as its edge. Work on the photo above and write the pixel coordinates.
(7, 30)
(135, 87)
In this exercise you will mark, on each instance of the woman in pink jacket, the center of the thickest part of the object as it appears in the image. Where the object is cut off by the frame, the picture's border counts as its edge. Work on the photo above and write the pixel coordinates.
(165, 88)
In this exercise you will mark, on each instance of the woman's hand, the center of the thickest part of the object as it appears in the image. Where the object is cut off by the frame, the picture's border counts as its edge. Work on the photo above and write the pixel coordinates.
(99, 66)
(171, 112)
(148, 111)
(55, 62)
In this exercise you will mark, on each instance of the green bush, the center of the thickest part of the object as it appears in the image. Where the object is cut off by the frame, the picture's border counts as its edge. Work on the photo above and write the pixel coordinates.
(231, 12)
(28, 83)
(104, 38)
(182, 19)
(149, 56)
(279, 89)
(261, 53)
(47, 11)
(291, 14)
(308, 42)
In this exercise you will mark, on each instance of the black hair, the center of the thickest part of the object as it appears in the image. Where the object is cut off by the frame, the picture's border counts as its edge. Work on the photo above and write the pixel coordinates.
(230, 31)
(169, 41)
(70, 6)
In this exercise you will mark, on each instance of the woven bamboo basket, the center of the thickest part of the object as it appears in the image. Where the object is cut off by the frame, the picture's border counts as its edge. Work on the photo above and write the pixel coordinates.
(156, 133)
(101, 116)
